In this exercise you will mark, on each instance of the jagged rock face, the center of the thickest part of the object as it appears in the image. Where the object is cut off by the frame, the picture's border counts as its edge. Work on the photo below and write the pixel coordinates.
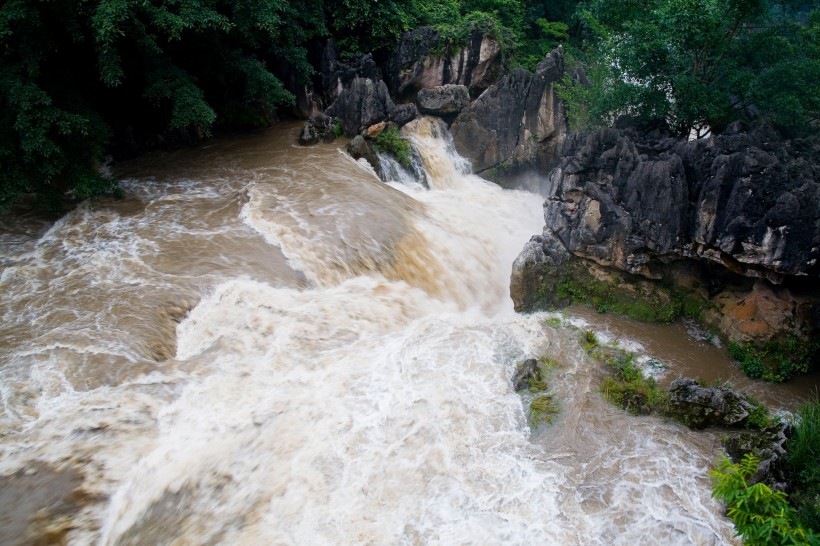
(749, 201)
(416, 65)
(700, 407)
(541, 258)
(318, 127)
(357, 95)
(517, 122)
(443, 101)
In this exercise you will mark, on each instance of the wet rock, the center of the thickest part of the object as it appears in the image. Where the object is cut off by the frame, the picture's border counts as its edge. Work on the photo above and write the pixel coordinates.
(443, 101)
(518, 123)
(769, 446)
(417, 64)
(699, 407)
(318, 127)
(403, 114)
(526, 375)
(636, 403)
(542, 258)
(360, 148)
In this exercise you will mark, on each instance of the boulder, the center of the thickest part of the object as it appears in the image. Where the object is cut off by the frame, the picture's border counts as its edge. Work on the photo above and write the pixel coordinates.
(769, 446)
(359, 148)
(318, 127)
(527, 373)
(443, 101)
(418, 64)
(698, 406)
(517, 123)
(403, 114)
(542, 258)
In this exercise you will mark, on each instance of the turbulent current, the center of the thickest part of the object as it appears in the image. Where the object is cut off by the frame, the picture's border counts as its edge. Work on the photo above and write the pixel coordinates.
(265, 344)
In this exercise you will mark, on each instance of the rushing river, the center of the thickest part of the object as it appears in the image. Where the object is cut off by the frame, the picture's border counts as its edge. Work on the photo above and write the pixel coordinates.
(264, 344)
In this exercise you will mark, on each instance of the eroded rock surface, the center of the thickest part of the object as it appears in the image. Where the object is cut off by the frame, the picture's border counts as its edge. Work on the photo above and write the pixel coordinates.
(518, 123)
(418, 64)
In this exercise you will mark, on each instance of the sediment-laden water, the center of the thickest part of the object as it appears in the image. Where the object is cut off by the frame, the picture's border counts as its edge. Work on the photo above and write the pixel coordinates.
(264, 344)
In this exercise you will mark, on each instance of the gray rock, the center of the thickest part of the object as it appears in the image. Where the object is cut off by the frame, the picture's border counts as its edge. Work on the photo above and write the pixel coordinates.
(417, 64)
(443, 101)
(527, 372)
(699, 407)
(517, 123)
(403, 114)
(542, 257)
(633, 199)
(318, 127)
(359, 148)
(769, 446)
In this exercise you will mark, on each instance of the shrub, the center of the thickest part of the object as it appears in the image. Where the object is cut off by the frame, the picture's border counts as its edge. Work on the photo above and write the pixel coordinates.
(775, 360)
(803, 457)
(389, 142)
(761, 516)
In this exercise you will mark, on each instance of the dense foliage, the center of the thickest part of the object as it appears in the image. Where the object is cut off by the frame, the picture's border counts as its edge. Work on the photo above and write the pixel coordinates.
(761, 516)
(776, 360)
(81, 79)
(699, 64)
(803, 450)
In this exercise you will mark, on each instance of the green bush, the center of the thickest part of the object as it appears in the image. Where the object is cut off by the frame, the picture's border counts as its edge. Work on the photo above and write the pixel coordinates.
(390, 142)
(803, 456)
(761, 516)
(775, 361)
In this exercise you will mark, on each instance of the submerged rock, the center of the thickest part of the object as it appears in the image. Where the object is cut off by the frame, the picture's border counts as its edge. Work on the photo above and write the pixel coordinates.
(318, 127)
(527, 374)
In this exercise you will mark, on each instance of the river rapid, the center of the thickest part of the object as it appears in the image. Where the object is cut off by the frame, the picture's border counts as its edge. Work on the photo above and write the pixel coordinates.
(265, 344)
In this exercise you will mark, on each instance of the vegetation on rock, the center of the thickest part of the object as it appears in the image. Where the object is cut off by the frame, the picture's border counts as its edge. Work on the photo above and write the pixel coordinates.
(761, 516)
(776, 360)
(803, 459)
(390, 142)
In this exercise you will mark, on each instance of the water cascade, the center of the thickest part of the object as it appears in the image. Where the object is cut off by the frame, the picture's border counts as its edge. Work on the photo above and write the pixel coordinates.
(265, 344)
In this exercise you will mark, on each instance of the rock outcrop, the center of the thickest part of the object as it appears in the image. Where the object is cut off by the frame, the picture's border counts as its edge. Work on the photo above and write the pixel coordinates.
(741, 209)
(518, 123)
(444, 101)
(746, 200)
(418, 64)
(318, 127)
(699, 407)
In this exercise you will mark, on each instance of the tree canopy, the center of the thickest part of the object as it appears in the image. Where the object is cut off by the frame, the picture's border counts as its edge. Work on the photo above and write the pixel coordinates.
(699, 64)
(80, 79)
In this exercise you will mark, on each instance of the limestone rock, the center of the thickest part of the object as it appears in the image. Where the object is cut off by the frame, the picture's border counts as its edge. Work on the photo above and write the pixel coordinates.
(541, 258)
(360, 148)
(318, 127)
(700, 407)
(403, 114)
(417, 64)
(519, 122)
(443, 101)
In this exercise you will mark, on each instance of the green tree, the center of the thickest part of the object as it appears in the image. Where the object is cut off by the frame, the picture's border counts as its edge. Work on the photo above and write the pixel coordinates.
(74, 73)
(698, 64)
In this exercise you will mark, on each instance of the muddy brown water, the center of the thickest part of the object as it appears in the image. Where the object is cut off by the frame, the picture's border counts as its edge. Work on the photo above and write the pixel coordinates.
(265, 344)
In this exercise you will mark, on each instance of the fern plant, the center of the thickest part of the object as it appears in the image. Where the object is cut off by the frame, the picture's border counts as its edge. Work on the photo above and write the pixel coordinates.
(761, 515)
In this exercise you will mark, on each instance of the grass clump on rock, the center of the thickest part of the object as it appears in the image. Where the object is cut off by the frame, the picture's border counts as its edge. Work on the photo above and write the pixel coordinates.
(543, 409)
(390, 142)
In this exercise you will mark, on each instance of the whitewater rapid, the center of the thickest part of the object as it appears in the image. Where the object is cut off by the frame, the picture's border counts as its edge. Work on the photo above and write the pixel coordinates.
(268, 345)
